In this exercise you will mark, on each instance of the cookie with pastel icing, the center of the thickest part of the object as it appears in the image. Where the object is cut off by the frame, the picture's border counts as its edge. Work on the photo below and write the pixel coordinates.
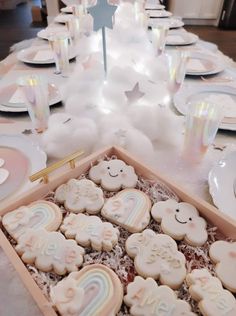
(157, 256)
(39, 214)
(130, 208)
(223, 253)
(80, 195)
(90, 231)
(113, 175)
(145, 297)
(207, 290)
(50, 251)
(94, 290)
(181, 221)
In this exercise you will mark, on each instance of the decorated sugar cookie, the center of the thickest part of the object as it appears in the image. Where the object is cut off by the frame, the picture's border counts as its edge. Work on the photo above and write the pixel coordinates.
(113, 175)
(50, 251)
(93, 291)
(145, 297)
(130, 208)
(157, 256)
(39, 214)
(90, 231)
(223, 253)
(181, 221)
(80, 195)
(208, 291)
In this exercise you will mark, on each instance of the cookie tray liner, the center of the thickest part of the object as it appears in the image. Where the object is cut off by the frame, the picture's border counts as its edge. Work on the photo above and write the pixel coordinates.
(224, 223)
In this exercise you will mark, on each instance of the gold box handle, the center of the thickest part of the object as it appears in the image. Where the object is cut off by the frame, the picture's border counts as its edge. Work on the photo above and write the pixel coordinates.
(44, 173)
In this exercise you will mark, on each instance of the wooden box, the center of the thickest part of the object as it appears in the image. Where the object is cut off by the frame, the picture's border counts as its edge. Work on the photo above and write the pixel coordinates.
(225, 224)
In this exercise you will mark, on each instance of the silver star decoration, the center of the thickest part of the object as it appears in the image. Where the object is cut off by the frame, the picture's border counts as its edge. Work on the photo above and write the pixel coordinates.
(135, 94)
(102, 14)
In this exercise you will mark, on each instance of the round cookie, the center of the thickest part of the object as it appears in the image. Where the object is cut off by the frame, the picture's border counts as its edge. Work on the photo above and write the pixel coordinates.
(80, 195)
(223, 253)
(94, 290)
(157, 256)
(113, 175)
(181, 221)
(39, 214)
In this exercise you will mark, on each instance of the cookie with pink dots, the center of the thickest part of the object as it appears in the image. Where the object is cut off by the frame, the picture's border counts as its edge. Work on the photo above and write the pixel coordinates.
(80, 195)
(181, 221)
(145, 297)
(223, 253)
(90, 231)
(207, 290)
(113, 175)
(157, 256)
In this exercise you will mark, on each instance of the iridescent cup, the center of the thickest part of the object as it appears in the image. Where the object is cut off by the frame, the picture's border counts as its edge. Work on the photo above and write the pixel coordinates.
(159, 35)
(74, 28)
(202, 122)
(36, 97)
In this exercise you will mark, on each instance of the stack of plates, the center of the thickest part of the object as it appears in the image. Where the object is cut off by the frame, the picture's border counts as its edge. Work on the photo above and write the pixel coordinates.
(49, 31)
(172, 23)
(158, 13)
(200, 64)
(152, 6)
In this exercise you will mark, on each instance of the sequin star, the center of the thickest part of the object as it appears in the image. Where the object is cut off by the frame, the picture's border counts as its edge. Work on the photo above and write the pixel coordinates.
(135, 94)
(102, 14)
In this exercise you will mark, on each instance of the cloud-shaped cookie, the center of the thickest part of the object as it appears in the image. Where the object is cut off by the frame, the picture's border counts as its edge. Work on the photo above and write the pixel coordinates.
(50, 251)
(223, 253)
(208, 291)
(90, 231)
(113, 175)
(145, 297)
(181, 221)
(157, 256)
(80, 195)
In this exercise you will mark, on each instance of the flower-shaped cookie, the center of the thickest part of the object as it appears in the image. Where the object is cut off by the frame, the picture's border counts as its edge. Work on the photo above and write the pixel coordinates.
(80, 195)
(180, 221)
(223, 253)
(208, 291)
(90, 230)
(145, 297)
(157, 256)
(113, 175)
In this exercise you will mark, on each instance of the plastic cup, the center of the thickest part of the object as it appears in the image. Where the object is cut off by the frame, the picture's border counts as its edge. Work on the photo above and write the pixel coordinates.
(159, 34)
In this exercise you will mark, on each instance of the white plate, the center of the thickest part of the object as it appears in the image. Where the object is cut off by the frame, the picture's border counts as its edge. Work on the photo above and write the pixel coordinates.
(158, 13)
(172, 23)
(46, 33)
(35, 155)
(201, 92)
(154, 7)
(222, 184)
(7, 92)
(29, 54)
(62, 18)
(177, 38)
(67, 9)
(202, 64)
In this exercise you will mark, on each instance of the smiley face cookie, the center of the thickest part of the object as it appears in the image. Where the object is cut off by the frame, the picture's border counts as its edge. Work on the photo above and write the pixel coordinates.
(50, 251)
(90, 231)
(157, 256)
(80, 195)
(94, 290)
(113, 175)
(223, 253)
(130, 208)
(180, 221)
(208, 291)
(39, 214)
(145, 297)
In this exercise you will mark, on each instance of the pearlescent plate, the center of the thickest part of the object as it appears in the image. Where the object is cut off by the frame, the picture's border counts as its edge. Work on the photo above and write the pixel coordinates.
(222, 184)
(62, 18)
(176, 38)
(158, 13)
(49, 31)
(154, 6)
(213, 93)
(200, 64)
(172, 23)
(21, 158)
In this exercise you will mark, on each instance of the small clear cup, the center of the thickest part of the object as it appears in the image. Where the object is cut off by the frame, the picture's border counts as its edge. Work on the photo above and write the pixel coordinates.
(159, 35)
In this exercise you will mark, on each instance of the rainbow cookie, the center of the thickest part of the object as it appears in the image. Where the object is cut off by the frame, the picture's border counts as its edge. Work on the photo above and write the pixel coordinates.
(180, 221)
(223, 253)
(50, 251)
(93, 291)
(130, 208)
(208, 291)
(157, 256)
(113, 175)
(80, 195)
(40, 214)
(90, 231)
(146, 298)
